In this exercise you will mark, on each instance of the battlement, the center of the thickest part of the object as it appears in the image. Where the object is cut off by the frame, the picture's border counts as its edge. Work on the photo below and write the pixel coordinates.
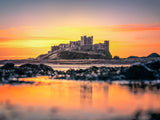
(86, 40)
(85, 44)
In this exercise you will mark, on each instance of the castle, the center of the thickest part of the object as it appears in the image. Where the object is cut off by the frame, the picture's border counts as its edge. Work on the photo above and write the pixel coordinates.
(85, 44)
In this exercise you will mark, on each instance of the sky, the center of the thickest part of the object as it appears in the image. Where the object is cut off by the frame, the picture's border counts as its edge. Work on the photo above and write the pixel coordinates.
(29, 27)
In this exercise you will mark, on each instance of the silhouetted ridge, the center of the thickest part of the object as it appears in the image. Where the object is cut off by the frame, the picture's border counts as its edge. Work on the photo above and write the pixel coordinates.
(154, 55)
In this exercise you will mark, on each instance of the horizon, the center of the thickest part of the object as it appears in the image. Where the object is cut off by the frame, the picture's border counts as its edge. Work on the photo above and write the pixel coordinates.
(29, 28)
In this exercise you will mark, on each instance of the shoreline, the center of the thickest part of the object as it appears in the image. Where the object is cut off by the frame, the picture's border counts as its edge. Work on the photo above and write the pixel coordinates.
(122, 61)
(151, 71)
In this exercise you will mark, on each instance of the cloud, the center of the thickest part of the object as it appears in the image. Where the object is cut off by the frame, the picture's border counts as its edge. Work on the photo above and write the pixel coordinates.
(134, 27)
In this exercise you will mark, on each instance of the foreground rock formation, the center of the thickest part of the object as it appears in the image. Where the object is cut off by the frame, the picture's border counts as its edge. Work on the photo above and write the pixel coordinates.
(9, 72)
(148, 71)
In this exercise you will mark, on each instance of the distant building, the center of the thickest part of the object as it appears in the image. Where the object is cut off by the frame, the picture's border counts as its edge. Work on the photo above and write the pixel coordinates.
(85, 44)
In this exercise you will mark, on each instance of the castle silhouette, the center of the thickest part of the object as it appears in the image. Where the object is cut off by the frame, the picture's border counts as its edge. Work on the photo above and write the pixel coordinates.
(85, 44)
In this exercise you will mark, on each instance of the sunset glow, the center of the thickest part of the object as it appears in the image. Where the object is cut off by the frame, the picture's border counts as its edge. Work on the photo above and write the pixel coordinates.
(29, 28)
(101, 98)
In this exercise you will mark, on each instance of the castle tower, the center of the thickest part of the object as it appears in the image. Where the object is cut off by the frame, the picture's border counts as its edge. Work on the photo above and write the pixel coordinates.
(83, 39)
(106, 45)
(90, 40)
(86, 40)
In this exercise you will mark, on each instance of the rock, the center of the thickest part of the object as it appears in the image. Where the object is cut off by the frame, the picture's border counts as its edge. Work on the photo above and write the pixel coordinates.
(153, 55)
(82, 55)
(133, 57)
(155, 65)
(33, 66)
(46, 69)
(139, 72)
(0, 75)
(8, 66)
(67, 54)
(149, 71)
(19, 82)
(33, 69)
(30, 70)
(9, 71)
(116, 57)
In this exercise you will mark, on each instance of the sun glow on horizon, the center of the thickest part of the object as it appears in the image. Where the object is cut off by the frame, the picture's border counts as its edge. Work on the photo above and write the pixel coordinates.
(125, 40)
(130, 26)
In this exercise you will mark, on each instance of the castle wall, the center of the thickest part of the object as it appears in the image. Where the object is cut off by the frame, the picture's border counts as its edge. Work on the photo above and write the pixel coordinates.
(86, 48)
(53, 48)
(106, 45)
(85, 44)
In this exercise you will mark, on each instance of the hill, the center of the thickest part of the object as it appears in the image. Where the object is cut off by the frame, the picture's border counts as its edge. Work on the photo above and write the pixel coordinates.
(65, 54)
(153, 55)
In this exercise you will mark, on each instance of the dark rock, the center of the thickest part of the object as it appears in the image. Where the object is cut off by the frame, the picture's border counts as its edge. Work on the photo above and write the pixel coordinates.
(153, 55)
(19, 82)
(0, 75)
(46, 67)
(139, 72)
(116, 57)
(94, 68)
(26, 70)
(33, 69)
(149, 71)
(29, 70)
(33, 66)
(83, 55)
(133, 57)
(154, 65)
(71, 73)
(103, 77)
(8, 66)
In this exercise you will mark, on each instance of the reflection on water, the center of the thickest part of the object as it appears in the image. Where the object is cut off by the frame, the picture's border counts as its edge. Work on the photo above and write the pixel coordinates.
(83, 66)
(66, 67)
(79, 100)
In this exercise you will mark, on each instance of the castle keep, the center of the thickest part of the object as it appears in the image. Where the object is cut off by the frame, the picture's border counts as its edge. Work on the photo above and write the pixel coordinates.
(85, 44)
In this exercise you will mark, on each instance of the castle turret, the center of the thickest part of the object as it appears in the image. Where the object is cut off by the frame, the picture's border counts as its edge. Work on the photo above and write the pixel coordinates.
(106, 45)
(86, 40)
(83, 39)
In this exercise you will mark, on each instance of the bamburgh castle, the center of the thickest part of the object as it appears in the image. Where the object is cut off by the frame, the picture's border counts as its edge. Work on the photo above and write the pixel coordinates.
(85, 44)
(81, 49)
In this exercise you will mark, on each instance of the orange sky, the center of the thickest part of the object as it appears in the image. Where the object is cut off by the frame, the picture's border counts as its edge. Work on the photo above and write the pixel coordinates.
(125, 40)
(29, 28)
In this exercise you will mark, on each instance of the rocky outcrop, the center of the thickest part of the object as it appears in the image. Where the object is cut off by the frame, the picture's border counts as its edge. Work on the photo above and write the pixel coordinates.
(11, 72)
(148, 71)
(139, 72)
(64, 54)
(82, 55)
(153, 55)
(155, 65)
(133, 57)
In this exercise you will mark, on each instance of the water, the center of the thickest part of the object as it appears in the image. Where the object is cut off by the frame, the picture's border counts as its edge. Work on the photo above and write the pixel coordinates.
(83, 66)
(78, 100)
(66, 67)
